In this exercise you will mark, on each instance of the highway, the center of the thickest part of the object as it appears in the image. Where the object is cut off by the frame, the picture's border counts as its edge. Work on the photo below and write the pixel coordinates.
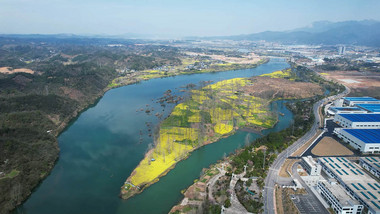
(271, 179)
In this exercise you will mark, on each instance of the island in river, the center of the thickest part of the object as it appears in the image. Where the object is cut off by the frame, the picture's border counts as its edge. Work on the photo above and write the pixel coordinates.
(212, 112)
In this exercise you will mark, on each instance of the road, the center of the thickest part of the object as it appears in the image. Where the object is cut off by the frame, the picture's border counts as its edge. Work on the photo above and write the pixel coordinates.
(236, 206)
(309, 203)
(212, 181)
(271, 179)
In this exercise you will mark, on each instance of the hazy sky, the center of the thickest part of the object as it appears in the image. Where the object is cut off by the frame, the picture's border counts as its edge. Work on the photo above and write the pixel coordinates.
(175, 17)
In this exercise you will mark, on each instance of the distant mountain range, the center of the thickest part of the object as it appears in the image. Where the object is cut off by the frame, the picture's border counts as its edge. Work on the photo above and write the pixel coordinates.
(366, 32)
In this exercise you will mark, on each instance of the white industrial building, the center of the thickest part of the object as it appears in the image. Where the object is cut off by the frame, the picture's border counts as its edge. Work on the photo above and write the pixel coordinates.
(351, 101)
(365, 140)
(372, 164)
(358, 121)
(358, 184)
(346, 110)
(311, 166)
(336, 196)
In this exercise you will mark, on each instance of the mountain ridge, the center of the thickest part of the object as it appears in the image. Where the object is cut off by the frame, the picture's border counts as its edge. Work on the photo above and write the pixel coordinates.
(365, 32)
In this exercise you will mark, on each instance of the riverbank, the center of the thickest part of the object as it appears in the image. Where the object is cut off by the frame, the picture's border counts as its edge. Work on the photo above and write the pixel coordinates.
(139, 76)
(210, 113)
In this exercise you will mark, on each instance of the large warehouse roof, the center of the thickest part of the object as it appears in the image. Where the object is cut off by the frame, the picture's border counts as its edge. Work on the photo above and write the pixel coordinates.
(360, 99)
(365, 135)
(362, 117)
(370, 107)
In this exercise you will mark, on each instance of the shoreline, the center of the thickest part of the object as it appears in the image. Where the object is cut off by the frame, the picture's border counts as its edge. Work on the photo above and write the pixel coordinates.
(138, 190)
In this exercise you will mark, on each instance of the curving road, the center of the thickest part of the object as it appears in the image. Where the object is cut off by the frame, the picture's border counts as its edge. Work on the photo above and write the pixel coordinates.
(271, 179)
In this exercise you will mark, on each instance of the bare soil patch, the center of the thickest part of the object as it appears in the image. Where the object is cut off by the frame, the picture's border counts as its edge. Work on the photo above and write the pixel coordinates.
(286, 167)
(271, 88)
(72, 93)
(279, 205)
(306, 145)
(249, 59)
(330, 147)
(9, 70)
(360, 83)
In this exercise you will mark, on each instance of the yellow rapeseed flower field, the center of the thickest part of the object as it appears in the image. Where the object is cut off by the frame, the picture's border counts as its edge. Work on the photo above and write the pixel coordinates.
(216, 108)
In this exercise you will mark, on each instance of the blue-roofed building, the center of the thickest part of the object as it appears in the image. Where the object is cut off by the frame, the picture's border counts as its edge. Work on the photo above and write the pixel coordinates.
(358, 121)
(346, 110)
(365, 140)
(371, 108)
(351, 101)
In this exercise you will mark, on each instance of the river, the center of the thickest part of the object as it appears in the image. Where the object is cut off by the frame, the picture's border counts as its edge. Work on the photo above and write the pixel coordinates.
(102, 146)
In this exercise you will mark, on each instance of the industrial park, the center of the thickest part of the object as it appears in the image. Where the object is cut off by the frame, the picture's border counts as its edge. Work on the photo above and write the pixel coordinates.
(342, 183)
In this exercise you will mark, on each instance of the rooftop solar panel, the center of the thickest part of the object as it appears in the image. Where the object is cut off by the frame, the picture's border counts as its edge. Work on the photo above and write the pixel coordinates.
(339, 172)
(362, 186)
(355, 186)
(345, 171)
(362, 117)
(371, 186)
(372, 195)
(374, 203)
(365, 195)
(359, 172)
(365, 135)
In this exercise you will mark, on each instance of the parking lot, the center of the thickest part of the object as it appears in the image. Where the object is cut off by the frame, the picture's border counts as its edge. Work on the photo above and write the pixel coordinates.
(306, 204)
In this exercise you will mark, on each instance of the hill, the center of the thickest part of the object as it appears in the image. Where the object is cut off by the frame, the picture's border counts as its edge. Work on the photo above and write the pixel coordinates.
(365, 33)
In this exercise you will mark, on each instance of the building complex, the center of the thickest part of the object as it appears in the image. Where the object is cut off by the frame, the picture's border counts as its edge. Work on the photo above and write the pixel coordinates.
(357, 184)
